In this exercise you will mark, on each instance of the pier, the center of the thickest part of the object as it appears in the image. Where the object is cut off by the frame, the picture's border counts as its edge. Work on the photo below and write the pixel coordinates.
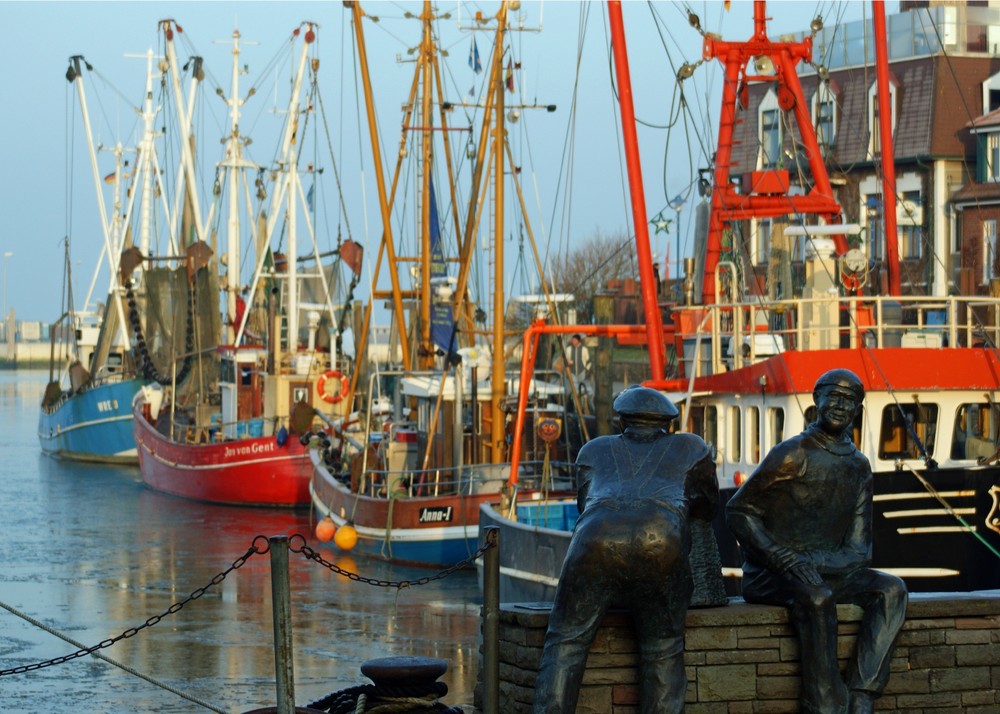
(743, 659)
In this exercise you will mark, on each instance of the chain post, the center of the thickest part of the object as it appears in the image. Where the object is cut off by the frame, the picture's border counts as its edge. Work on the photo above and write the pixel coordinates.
(281, 609)
(491, 620)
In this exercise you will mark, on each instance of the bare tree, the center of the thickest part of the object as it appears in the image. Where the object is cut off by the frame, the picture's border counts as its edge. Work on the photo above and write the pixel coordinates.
(586, 269)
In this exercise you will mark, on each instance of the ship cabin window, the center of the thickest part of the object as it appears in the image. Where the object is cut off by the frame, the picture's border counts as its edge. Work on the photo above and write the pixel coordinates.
(775, 426)
(114, 362)
(753, 435)
(904, 428)
(977, 431)
(232, 373)
(735, 435)
(423, 415)
(227, 370)
(703, 420)
(810, 417)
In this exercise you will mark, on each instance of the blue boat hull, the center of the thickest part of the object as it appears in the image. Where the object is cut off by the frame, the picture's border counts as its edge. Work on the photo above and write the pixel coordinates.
(92, 425)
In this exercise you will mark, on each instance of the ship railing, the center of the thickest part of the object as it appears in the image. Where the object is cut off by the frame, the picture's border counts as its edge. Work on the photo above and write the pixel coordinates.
(721, 337)
(466, 480)
(311, 363)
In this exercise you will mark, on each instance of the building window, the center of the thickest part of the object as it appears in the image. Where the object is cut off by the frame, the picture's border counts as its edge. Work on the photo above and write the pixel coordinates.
(873, 227)
(992, 158)
(762, 247)
(824, 117)
(875, 144)
(910, 218)
(991, 88)
(989, 251)
(769, 116)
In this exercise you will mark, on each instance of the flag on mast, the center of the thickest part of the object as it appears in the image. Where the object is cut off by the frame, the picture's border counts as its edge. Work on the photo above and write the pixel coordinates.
(474, 62)
(509, 77)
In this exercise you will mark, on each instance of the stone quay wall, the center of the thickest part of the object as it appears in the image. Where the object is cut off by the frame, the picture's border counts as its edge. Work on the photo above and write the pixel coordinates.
(743, 659)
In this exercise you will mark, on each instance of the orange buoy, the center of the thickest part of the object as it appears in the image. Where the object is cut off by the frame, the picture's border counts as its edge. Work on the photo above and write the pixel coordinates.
(346, 537)
(325, 529)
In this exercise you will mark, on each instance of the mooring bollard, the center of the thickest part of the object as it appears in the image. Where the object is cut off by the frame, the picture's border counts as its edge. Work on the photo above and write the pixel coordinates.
(281, 609)
(491, 621)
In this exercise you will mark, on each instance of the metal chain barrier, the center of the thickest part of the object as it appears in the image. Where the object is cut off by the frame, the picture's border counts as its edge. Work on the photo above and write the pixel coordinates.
(255, 549)
(311, 554)
(259, 546)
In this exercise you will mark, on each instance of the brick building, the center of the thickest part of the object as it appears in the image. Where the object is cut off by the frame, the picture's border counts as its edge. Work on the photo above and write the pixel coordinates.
(944, 64)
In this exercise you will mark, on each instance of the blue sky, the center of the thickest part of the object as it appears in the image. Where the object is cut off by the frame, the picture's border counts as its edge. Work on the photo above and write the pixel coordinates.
(36, 38)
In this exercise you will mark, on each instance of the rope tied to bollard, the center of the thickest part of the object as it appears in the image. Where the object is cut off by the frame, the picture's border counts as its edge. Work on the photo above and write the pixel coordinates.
(382, 699)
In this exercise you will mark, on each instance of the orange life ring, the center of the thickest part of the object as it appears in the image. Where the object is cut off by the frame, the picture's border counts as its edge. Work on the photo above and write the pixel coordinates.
(336, 396)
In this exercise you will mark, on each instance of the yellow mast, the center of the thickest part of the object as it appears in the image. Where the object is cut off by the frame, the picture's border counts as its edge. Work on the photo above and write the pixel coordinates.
(425, 66)
(383, 200)
(497, 381)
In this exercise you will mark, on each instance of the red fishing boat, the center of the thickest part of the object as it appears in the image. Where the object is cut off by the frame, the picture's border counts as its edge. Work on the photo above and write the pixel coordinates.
(235, 402)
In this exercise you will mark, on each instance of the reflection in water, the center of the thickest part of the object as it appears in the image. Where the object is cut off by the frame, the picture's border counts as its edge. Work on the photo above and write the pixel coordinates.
(91, 552)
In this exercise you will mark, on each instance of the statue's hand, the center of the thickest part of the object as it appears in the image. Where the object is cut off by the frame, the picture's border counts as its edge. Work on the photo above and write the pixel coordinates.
(806, 572)
(795, 564)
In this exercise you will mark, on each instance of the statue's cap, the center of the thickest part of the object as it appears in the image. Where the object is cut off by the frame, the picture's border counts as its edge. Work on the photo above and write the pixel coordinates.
(639, 401)
(841, 378)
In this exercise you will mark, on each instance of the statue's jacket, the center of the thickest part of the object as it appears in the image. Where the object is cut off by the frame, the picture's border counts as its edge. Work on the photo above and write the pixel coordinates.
(810, 494)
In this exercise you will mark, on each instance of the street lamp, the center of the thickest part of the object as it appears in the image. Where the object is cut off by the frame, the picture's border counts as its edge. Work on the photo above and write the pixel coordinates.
(5, 257)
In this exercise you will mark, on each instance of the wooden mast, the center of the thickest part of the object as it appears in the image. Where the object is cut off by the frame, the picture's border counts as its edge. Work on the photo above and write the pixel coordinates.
(426, 292)
(384, 200)
(497, 380)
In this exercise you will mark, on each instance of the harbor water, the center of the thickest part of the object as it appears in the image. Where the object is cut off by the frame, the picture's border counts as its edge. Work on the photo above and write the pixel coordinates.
(89, 552)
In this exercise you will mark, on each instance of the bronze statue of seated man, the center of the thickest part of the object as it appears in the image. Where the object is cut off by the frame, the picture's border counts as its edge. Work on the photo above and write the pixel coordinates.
(804, 522)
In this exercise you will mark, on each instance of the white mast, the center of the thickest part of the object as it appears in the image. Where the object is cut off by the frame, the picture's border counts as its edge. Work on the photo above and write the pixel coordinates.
(184, 117)
(77, 78)
(287, 192)
(235, 166)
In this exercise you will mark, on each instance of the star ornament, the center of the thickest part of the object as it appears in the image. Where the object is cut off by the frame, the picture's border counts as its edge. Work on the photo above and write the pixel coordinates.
(661, 224)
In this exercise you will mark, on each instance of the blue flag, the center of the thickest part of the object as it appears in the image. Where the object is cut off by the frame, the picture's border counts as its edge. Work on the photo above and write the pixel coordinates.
(442, 320)
(474, 62)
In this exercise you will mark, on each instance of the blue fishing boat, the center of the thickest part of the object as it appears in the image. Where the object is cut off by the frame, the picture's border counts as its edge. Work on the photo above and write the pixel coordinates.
(86, 410)
(92, 422)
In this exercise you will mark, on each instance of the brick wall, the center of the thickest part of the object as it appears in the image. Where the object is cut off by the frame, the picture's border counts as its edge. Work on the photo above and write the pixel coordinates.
(743, 659)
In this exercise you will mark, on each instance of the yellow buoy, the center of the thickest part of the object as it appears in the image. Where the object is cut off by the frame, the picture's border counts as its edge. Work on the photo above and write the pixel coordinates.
(346, 537)
(325, 529)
